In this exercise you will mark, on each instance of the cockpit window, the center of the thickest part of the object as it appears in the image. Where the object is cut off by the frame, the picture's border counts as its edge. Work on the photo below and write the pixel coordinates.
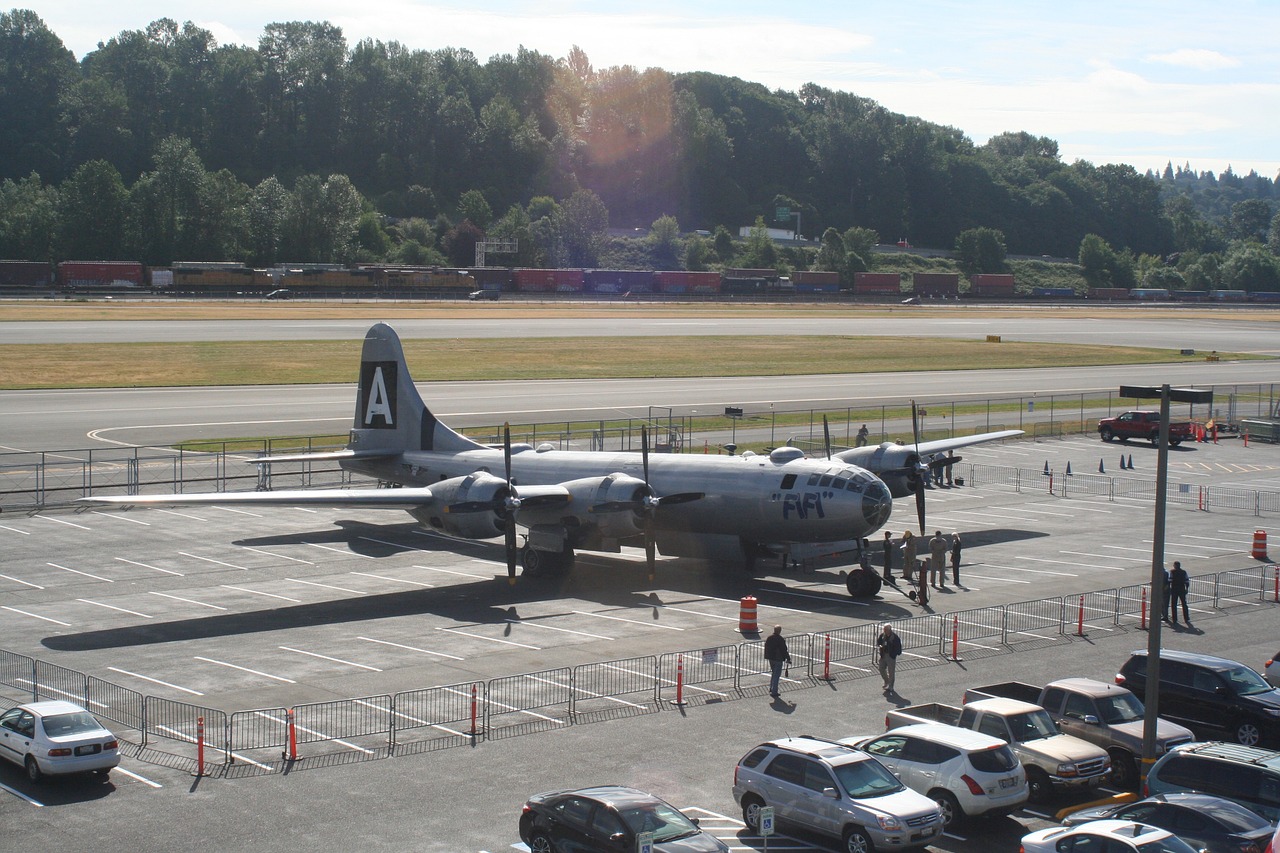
(825, 481)
(855, 485)
(838, 483)
(788, 482)
(813, 479)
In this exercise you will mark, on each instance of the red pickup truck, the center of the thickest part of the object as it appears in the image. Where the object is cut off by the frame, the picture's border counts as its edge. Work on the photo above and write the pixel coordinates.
(1142, 425)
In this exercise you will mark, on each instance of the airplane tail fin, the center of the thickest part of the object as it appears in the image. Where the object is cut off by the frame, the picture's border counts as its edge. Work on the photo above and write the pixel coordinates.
(390, 415)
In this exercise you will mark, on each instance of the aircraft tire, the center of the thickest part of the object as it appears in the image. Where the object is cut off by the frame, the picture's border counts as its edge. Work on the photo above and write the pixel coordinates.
(531, 562)
(862, 584)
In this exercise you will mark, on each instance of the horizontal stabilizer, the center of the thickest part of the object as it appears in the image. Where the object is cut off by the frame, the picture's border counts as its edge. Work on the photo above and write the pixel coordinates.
(367, 498)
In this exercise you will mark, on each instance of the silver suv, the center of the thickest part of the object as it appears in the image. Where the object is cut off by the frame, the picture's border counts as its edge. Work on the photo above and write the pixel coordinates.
(834, 789)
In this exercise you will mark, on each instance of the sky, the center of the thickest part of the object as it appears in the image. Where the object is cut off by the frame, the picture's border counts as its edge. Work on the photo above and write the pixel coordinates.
(1145, 83)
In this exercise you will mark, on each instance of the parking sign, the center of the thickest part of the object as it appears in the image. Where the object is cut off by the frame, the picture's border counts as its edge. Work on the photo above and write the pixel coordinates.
(644, 842)
(766, 821)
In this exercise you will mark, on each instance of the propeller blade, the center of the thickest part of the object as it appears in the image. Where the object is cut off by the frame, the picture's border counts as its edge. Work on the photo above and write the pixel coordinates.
(919, 478)
(826, 436)
(650, 557)
(510, 516)
(920, 508)
(944, 462)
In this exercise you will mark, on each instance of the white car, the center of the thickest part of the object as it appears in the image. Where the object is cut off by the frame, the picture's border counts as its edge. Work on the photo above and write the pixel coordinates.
(55, 738)
(1113, 836)
(965, 772)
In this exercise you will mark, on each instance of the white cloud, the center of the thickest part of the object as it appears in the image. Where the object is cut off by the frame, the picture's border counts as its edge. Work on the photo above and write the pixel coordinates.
(1196, 58)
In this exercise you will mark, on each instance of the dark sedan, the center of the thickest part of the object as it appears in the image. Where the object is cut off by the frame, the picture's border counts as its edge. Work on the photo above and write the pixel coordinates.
(608, 819)
(1203, 821)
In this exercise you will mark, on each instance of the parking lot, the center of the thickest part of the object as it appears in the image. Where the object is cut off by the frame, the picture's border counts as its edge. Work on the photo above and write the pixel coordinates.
(242, 609)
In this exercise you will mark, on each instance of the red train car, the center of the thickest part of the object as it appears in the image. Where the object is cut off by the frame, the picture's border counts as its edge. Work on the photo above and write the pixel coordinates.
(618, 281)
(936, 284)
(25, 274)
(528, 280)
(991, 284)
(888, 283)
(76, 275)
(684, 281)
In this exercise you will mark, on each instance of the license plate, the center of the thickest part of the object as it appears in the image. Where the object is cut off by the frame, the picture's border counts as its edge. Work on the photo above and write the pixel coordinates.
(89, 749)
(1009, 783)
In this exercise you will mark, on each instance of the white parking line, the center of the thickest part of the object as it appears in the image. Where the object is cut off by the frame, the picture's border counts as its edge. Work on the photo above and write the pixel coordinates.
(1106, 556)
(454, 572)
(346, 552)
(327, 586)
(155, 681)
(144, 780)
(24, 583)
(186, 600)
(215, 562)
(279, 556)
(267, 594)
(78, 572)
(35, 616)
(554, 628)
(15, 530)
(181, 514)
(394, 580)
(120, 517)
(490, 639)
(246, 669)
(620, 619)
(113, 607)
(22, 796)
(1031, 571)
(63, 521)
(155, 568)
(410, 648)
(326, 657)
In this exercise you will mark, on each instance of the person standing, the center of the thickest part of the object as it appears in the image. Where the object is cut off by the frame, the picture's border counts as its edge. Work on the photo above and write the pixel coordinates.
(955, 558)
(862, 436)
(888, 647)
(1167, 600)
(888, 556)
(776, 653)
(1179, 582)
(908, 547)
(937, 559)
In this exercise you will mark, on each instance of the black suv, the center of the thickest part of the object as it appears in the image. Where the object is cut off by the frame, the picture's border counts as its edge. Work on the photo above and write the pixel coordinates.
(1215, 697)
(1244, 774)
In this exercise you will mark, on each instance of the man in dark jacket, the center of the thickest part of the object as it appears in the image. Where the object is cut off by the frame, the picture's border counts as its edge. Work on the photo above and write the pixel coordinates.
(775, 652)
(888, 647)
(1179, 582)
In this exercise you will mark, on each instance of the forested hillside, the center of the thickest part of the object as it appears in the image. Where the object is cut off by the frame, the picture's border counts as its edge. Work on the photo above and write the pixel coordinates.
(162, 145)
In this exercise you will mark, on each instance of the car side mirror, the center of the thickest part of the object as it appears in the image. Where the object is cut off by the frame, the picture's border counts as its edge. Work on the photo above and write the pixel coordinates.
(831, 792)
(1090, 719)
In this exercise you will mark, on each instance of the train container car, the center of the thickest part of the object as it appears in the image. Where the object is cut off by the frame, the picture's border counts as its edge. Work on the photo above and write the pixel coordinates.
(25, 274)
(319, 278)
(617, 281)
(997, 285)
(529, 280)
(765, 273)
(1190, 295)
(684, 281)
(1108, 294)
(939, 285)
(194, 278)
(1053, 292)
(816, 281)
(491, 278)
(1229, 295)
(1149, 294)
(81, 275)
(744, 286)
(1264, 296)
(161, 278)
(869, 283)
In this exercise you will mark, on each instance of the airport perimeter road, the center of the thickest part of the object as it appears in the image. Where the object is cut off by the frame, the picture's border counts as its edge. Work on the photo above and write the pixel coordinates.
(467, 799)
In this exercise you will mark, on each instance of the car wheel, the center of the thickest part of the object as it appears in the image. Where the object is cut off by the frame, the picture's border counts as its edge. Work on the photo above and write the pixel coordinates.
(751, 812)
(1038, 784)
(33, 769)
(1106, 434)
(1247, 733)
(540, 843)
(857, 841)
(1174, 442)
(947, 804)
(1124, 770)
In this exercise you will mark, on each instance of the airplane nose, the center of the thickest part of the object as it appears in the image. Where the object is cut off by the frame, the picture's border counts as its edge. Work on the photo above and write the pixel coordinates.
(877, 504)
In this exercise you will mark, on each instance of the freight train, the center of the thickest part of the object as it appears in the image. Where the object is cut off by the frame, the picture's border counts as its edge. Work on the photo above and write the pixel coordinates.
(217, 278)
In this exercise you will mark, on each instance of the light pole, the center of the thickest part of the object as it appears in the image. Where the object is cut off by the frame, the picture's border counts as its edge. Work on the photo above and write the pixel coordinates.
(1151, 699)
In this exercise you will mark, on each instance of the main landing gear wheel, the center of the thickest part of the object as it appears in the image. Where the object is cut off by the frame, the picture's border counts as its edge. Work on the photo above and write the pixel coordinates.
(535, 563)
(862, 584)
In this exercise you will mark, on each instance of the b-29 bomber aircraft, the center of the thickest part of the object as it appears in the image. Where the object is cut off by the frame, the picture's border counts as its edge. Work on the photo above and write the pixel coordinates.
(722, 507)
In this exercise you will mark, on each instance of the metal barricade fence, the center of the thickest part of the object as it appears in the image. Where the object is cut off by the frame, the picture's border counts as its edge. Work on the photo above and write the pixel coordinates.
(1034, 621)
(1133, 608)
(847, 652)
(918, 633)
(362, 725)
(1125, 487)
(699, 676)
(1093, 485)
(1202, 596)
(177, 725)
(1093, 611)
(976, 632)
(436, 717)
(58, 682)
(1241, 587)
(535, 701)
(256, 729)
(615, 688)
(118, 704)
(753, 670)
(19, 673)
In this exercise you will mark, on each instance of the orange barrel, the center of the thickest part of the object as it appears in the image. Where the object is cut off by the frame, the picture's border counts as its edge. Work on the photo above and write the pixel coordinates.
(747, 616)
(1259, 544)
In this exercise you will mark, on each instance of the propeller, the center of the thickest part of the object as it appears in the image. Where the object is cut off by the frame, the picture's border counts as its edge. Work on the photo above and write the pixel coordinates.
(505, 505)
(919, 471)
(826, 436)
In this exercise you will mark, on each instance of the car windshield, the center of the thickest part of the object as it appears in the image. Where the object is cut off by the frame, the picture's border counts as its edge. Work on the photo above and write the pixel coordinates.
(1119, 708)
(1246, 682)
(1032, 725)
(1171, 844)
(664, 821)
(870, 778)
(65, 725)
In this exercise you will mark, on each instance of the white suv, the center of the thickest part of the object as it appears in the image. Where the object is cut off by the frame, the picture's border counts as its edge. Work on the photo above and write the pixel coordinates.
(834, 789)
(965, 772)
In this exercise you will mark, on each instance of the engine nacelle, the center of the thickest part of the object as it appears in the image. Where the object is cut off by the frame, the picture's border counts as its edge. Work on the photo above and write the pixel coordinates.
(890, 462)
(477, 487)
(614, 523)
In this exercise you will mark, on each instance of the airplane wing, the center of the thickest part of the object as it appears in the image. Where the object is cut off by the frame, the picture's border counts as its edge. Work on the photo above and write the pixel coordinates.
(942, 445)
(367, 498)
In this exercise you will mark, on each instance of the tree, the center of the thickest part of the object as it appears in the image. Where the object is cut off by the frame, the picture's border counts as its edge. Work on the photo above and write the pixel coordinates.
(582, 225)
(473, 206)
(723, 242)
(460, 243)
(664, 242)
(91, 213)
(832, 254)
(1249, 266)
(1096, 260)
(36, 71)
(861, 240)
(698, 252)
(1250, 219)
(164, 202)
(267, 207)
(28, 219)
(981, 250)
(760, 252)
